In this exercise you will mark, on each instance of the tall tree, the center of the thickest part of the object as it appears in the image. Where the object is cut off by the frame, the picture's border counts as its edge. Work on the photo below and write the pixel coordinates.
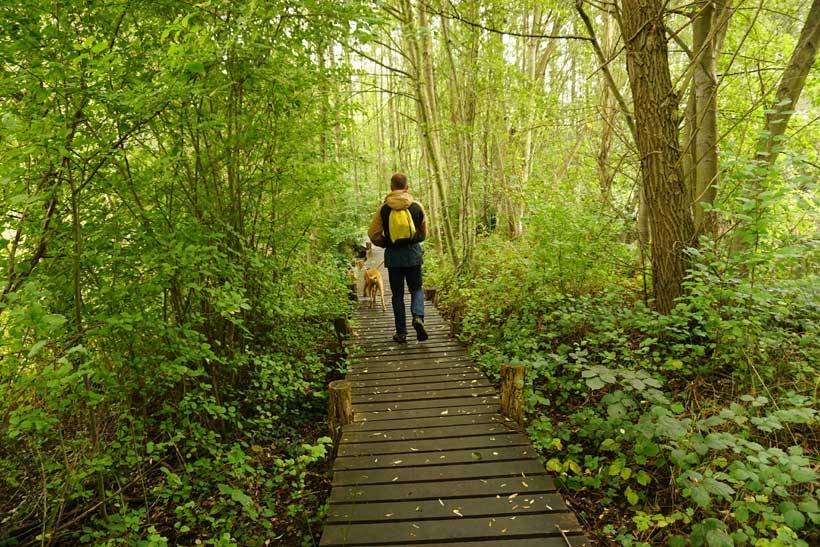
(671, 227)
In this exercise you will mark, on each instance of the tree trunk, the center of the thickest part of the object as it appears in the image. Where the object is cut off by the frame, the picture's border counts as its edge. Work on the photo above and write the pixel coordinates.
(420, 52)
(705, 87)
(671, 227)
(607, 107)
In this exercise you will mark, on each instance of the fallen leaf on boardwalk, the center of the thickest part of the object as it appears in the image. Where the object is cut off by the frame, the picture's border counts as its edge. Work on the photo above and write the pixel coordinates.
(445, 412)
(441, 502)
(525, 484)
(414, 449)
(394, 479)
(511, 496)
(495, 453)
(414, 525)
(397, 462)
(418, 507)
(503, 530)
(388, 514)
(457, 512)
(548, 507)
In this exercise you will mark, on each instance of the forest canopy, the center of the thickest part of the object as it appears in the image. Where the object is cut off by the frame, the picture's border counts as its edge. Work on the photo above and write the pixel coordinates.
(622, 196)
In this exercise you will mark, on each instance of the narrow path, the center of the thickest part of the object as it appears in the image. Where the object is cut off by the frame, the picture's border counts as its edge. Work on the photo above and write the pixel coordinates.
(429, 460)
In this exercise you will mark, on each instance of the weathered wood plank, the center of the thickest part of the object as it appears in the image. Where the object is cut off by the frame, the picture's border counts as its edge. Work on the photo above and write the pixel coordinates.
(429, 394)
(444, 404)
(443, 489)
(441, 432)
(552, 541)
(427, 445)
(432, 369)
(451, 529)
(396, 475)
(436, 457)
(412, 382)
(416, 423)
(361, 416)
(428, 509)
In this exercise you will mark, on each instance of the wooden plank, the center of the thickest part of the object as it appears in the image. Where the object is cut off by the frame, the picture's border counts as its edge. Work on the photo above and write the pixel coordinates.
(554, 541)
(361, 416)
(417, 352)
(428, 445)
(392, 361)
(443, 489)
(373, 368)
(443, 377)
(430, 421)
(397, 475)
(444, 404)
(424, 395)
(474, 383)
(434, 509)
(464, 529)
(372, 344)
(435, 369)
(389, 325)
(436, 457)
(441, 432)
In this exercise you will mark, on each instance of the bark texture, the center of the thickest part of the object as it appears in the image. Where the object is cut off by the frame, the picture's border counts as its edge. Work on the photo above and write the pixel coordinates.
(655, 106)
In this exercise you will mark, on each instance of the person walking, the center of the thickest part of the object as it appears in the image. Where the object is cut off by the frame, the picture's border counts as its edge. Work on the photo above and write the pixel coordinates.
(399, 226)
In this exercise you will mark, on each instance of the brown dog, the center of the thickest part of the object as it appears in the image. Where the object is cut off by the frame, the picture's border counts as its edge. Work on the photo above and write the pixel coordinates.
(373, 283)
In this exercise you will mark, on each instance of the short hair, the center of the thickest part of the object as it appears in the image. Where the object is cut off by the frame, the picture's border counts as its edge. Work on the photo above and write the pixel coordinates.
(398, 181)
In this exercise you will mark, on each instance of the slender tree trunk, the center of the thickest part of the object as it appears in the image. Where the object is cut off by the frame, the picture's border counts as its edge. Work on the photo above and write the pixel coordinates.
(608, 112)
(420, 53)
(790, 87)
(705, 87)
(671, 227)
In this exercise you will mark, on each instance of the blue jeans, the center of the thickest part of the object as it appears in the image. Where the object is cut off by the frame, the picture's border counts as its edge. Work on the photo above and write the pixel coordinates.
(413, 276)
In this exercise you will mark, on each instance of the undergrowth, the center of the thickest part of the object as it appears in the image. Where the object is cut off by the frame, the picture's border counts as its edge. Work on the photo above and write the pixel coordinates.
(695, 428)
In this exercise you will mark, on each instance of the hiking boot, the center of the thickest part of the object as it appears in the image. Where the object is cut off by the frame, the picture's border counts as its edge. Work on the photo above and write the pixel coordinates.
(418, 324)
(400, 338)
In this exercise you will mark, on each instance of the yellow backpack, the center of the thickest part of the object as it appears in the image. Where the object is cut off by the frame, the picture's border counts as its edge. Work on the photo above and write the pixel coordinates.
(401, 225)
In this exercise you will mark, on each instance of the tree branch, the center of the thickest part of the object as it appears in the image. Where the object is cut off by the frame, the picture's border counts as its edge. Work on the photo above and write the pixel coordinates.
(579, 7)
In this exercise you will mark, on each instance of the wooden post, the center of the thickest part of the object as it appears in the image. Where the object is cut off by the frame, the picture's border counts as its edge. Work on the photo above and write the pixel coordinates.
(430, 294)
(343, 329)
(457, 316)
(340, 408)
(353, 288)
(512, 392)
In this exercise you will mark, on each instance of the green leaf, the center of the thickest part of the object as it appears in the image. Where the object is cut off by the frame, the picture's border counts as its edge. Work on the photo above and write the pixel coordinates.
(719, 538)
(794, 519)
(631, 496)
(701, 496)
(37, 347)
(554, 464)
(643, 478)
(595, 383)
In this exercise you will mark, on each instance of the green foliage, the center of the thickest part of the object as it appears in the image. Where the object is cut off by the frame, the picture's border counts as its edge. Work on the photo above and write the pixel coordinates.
(696, 424)
(167, 304)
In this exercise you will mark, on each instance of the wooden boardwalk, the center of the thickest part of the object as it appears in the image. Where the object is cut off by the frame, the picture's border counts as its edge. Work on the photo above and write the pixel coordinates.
(428, 460)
